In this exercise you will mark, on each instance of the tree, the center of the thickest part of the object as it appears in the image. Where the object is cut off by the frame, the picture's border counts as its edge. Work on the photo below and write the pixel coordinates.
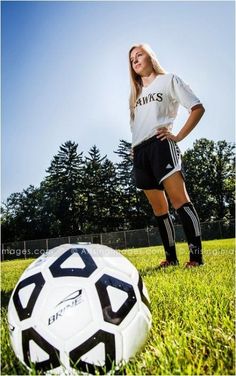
(100, 192)
(223, 186)
(209, 174)
(111, 210)
(64, 179)
(23, 217)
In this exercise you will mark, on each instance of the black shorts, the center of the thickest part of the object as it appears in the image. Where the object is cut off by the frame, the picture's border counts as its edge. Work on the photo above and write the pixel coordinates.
(154, 161)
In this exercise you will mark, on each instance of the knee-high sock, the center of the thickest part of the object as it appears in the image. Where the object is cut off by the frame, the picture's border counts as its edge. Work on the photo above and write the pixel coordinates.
(167, 233)
(191, 225)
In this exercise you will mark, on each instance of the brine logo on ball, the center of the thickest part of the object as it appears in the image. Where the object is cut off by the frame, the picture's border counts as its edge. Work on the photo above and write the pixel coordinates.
(71, 301)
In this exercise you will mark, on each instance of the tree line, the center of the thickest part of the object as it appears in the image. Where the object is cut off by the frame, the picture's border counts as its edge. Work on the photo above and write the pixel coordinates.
(91, 194)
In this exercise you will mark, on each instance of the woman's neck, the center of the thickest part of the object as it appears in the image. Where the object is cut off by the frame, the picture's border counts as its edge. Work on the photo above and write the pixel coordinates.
(146, 80)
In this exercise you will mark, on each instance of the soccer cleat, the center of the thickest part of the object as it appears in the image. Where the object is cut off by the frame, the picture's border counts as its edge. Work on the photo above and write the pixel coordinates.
(166, 263)
(192, 264)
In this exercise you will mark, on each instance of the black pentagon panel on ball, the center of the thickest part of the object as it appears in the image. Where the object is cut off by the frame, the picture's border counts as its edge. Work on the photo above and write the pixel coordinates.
(108, 314)
(143, 297)
(25, 312)
(53, 360)
(100, 336)
(90, 266)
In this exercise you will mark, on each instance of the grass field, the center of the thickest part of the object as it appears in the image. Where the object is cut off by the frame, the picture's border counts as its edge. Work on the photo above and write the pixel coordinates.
(193, 313)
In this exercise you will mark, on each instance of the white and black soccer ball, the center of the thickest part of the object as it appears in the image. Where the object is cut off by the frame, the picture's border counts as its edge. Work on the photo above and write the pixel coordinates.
(79, 306)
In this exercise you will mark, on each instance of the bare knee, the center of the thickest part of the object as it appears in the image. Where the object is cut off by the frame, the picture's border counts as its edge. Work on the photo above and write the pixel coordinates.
(177, 203)
(160, 209)
(178, 200)
(176, 190)
(158, 201)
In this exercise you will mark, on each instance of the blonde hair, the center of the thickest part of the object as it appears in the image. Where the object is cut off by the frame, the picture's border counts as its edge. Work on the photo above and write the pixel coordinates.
(135, 79)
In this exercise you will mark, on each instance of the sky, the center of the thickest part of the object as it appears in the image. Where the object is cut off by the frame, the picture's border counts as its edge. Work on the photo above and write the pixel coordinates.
(65, 75)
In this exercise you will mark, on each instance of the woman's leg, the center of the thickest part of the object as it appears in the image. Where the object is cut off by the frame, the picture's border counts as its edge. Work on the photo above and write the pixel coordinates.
(159, 203)
(178, 195)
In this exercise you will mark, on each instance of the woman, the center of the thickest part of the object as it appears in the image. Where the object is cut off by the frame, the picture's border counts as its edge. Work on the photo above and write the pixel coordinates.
(154, 100)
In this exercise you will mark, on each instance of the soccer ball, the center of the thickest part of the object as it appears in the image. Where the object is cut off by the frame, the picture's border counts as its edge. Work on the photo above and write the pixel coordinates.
(79, 306)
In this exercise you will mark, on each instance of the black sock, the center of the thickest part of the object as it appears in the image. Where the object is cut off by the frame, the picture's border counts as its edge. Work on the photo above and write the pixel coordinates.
(167, 233)
(192, 229)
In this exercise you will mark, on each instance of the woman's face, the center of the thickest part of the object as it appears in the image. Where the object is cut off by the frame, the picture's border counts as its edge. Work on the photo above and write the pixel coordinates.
(141, 62)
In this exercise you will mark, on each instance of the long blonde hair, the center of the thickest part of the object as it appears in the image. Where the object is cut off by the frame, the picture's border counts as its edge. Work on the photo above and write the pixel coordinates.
(135, 79)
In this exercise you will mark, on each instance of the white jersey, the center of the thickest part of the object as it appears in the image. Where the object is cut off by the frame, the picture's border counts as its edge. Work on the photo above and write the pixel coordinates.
(158, 104)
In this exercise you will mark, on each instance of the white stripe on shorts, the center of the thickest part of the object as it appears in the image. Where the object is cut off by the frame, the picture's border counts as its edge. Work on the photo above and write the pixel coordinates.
(176, 159)
(175, 152)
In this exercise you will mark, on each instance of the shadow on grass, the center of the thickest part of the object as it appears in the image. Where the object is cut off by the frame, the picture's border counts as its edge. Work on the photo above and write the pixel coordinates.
(151, 270)
(5, 297)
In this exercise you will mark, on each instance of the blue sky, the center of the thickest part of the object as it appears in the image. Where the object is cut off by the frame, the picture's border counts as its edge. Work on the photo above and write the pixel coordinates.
(65, 74)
